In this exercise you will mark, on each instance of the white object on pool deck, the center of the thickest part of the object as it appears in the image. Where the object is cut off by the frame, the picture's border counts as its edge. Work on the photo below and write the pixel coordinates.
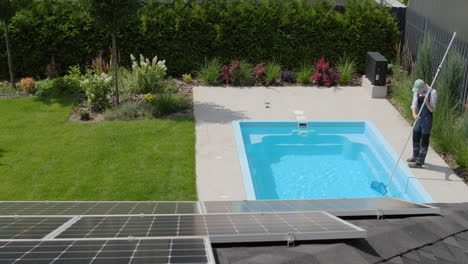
(215, 110)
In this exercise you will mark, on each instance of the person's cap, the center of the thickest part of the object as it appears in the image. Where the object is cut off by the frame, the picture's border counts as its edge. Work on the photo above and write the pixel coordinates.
(418, 84)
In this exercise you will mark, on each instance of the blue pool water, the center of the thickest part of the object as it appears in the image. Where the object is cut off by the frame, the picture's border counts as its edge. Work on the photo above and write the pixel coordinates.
(326, 159)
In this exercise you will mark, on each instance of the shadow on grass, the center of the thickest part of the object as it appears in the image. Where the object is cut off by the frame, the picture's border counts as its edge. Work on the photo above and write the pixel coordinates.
(217, 114)
(1, 155)
(63, 101)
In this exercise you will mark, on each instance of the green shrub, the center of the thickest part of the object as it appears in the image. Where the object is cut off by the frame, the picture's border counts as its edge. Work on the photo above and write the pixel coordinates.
(73, 79)
(187, 77)
(5, 87)
(273, 72)
(124, 112)
(289, 31)
(61, 86)
(346, 66)
(148, 98)
(166, 104)
(209, 71)
(98, 89)
(304, 73)
(45, 88)
(170, 86)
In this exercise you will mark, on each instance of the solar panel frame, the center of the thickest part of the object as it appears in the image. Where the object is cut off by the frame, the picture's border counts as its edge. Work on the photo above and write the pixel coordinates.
(221, 228)
(29, 227)
(109, 250)
(75, 208)
(309, 205)
(101, 208)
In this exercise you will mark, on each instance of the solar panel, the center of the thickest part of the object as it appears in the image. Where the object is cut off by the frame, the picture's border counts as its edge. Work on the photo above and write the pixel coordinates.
(338, 207)
(97, 208)
(28, 227)
(175, 250)
(219, 227)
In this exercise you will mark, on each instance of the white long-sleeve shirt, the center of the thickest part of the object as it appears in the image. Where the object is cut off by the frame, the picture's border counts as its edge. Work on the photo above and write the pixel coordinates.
(432, 100)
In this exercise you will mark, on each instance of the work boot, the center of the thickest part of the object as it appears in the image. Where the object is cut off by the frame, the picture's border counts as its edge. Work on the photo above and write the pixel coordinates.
(412, 159)
(414, 165)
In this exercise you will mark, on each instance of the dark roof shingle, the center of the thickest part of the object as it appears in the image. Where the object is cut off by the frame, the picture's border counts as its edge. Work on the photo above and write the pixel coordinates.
(403, 240)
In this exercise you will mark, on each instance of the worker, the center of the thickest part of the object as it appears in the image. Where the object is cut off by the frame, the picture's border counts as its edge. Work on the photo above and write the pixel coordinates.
(426, 98)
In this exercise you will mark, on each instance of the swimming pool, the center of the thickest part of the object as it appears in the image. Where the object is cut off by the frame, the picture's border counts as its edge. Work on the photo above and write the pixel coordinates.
(320, 159)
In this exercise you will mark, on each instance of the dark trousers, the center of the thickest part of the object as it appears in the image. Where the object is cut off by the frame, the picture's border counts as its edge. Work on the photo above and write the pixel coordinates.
(421, 134)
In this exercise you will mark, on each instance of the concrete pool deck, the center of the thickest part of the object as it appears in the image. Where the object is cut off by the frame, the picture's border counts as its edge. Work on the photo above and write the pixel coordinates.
(218, 170)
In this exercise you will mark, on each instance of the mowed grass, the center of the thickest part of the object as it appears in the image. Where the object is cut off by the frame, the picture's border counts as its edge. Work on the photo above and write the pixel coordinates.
(43, 156)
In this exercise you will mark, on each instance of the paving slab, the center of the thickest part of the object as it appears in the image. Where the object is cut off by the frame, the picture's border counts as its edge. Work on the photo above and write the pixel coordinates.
(218, 170)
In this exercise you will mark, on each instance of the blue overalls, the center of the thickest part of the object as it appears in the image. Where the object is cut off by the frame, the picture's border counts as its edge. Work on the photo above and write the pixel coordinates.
(422, 130)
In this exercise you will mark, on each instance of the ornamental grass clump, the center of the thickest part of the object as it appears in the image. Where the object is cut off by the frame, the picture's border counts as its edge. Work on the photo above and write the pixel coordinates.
(324, 74)
(304, 73)
(447, 129)
(273, 72)
(346, 66)
(209, 72)
(148, 75)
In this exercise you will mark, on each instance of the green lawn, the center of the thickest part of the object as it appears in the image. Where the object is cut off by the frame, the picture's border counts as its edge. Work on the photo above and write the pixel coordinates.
(43, 156)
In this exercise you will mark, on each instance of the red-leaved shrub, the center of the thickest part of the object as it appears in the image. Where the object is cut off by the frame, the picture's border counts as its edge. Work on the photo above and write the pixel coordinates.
(228, 73)
(224, 75)
(259, 72)
(324, 74)
(100, 65)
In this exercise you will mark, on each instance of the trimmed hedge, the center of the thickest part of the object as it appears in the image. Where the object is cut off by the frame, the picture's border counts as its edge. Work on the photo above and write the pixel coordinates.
(290, 32)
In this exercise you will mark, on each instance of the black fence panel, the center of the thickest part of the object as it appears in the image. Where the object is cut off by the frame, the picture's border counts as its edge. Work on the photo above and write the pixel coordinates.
(439, 19)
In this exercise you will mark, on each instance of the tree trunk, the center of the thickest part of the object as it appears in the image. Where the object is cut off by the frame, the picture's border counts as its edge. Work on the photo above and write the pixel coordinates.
(115, 67)
(10, 63)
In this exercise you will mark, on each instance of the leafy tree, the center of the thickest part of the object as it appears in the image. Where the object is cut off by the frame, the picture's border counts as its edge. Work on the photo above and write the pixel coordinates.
(7, 11)
(113, 15)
